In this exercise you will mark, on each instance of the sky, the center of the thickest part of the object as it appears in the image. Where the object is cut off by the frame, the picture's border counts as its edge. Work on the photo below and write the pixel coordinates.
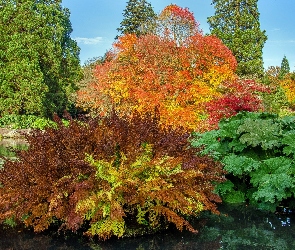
(95, 24)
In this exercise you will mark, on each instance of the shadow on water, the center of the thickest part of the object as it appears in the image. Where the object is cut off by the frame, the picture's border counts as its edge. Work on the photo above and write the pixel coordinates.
(238, 227)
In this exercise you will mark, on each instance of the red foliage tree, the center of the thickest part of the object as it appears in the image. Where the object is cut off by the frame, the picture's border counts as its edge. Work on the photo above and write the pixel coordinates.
(240, 95)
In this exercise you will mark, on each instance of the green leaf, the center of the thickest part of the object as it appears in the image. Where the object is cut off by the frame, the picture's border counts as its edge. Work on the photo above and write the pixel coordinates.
(264, 133)
(239, 165)
(289, 141)
(209, 142)
(274, 181)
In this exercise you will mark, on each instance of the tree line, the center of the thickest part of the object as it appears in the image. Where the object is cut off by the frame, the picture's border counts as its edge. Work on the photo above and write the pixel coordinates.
(39, 61)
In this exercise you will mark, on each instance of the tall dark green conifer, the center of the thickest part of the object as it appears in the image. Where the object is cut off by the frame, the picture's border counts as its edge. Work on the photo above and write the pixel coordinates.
(236, 23)
(285, 67)
(39, 62)
(139, 18)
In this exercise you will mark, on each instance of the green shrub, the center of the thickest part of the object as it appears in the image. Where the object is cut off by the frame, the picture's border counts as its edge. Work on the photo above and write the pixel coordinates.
(27, 121)
(257, 151)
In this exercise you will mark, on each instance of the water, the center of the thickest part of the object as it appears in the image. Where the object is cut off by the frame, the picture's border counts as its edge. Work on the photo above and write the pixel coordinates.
(238, 227)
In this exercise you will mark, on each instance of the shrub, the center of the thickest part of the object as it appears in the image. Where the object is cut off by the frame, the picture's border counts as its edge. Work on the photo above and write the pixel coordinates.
(108, 176)
(257, 151)
(25, 121)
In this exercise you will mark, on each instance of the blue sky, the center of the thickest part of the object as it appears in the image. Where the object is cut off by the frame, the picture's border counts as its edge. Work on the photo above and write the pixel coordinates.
(94, 24)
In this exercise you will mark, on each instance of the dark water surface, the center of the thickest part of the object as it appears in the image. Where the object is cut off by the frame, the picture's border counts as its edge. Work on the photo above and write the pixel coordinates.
(238, 227)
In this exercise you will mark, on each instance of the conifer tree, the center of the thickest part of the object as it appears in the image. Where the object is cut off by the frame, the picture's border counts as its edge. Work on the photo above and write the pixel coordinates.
(236, 23)
(39, 61)
(285, 67)
(139, 18)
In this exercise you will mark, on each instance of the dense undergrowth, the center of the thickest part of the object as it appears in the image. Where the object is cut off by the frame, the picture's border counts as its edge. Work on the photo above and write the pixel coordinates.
(107, 176)
(257, 151)
(14, 121)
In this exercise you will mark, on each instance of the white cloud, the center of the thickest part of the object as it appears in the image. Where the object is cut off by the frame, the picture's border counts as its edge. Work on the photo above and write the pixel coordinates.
(88, 41)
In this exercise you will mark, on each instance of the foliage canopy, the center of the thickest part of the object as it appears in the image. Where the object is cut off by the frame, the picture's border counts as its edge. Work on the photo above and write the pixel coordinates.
(236, 23)
(179, 78)
(139, 18)
(39, 61)
(177, 23)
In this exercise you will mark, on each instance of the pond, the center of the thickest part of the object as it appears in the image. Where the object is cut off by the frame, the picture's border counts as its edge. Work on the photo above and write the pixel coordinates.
(238, 227)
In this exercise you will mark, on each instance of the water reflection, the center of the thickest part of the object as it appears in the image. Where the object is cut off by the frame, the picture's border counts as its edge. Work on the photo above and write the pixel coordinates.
(238, 227)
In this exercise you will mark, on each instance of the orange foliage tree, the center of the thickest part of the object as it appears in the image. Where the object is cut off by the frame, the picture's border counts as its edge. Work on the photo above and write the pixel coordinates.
(288, 84)
(142, 73)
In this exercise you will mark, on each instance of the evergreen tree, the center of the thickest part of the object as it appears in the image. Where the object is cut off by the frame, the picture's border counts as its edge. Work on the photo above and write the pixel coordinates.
(39, 61)
(139, 18)
(236, 23)
(285, 67)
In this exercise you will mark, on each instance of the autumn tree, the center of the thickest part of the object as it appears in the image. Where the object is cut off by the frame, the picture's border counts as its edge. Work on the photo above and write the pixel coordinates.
(236, 23)
(176, 22)
(281, 99)
(39, 61)
(150, 71)
(139, 18)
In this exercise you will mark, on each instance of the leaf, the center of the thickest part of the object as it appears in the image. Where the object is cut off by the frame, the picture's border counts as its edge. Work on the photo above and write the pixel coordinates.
(224, 187)
(274, 181)
(240, 165)
(264, 133)
(288, 141)
(208, 142)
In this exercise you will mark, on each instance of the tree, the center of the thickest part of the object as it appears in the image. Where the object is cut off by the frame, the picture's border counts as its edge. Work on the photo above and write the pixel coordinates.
(285, 67)
(39, 61)
(148, 72)
(139, 18)
(236, 23)
(177, 23)
(282, 98)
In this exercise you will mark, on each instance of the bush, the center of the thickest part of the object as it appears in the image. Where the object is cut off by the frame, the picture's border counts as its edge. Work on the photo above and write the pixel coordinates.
(27, 121)
(258, 153)
(107, 177)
